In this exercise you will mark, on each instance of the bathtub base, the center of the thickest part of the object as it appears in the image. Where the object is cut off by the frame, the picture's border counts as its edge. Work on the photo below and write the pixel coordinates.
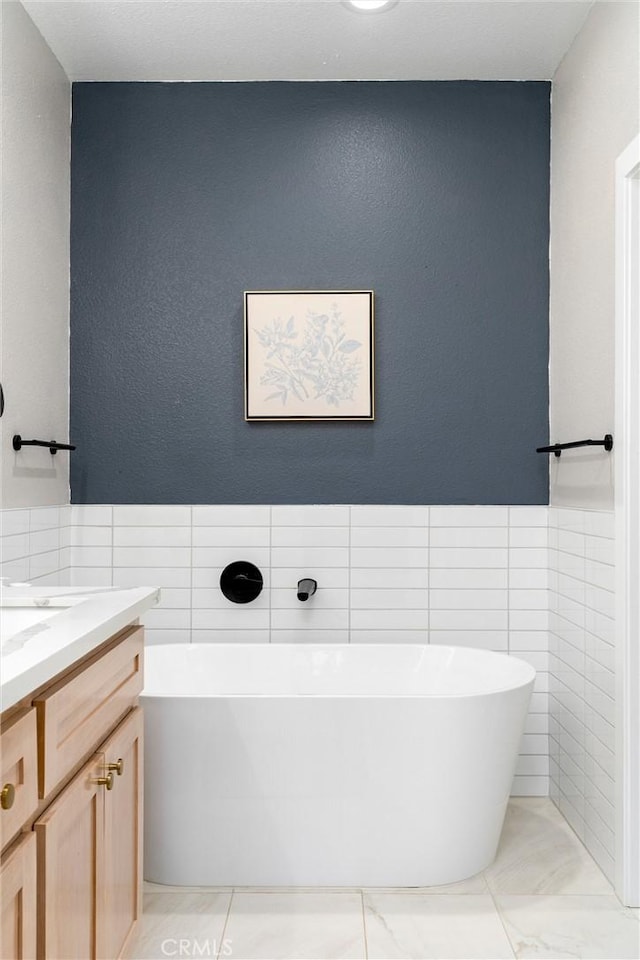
(327, 791)
(225, 861)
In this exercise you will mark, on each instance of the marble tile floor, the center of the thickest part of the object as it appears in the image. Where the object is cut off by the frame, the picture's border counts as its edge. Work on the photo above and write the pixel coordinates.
(542, 897)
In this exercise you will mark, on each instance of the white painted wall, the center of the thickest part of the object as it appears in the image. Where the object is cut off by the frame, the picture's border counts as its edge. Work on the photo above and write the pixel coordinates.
(36, 113)
(595, 114)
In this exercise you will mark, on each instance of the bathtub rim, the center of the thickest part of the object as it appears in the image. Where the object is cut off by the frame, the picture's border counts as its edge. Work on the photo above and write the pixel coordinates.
(496, 691)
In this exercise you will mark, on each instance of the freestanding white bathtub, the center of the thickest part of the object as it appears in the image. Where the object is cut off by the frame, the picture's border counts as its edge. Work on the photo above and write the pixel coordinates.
(340, 765)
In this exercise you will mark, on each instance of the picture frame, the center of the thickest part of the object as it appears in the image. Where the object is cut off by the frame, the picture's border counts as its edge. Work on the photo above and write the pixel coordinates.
(308, 355)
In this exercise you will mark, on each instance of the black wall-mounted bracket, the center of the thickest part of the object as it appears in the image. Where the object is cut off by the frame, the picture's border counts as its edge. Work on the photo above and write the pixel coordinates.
(557, 448)
(53, 445)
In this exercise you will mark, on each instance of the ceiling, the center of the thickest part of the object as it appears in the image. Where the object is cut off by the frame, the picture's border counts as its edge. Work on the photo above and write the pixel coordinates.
(307, 39)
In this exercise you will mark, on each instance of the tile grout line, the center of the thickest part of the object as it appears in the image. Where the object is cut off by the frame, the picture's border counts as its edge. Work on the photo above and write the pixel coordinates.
(226, 923)
(597, 814)
(583, 658)
(512, 945)
(582, 843)
(364, 926)
(593, 758)
(113, 537)
(583, 676)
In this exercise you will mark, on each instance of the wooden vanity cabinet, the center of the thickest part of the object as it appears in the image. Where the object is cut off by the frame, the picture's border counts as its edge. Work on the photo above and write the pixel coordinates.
(122, 861)
(18, 773)
(19, 903)
(89, 849)
(76, 713)
(70, 850)
(71, 870)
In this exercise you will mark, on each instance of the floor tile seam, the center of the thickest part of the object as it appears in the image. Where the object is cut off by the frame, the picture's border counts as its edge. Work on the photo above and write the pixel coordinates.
(297, 891)
(364, 926)
(224, 928)
(562, 896)
(500, 917)
(323, 891)
(373, 891)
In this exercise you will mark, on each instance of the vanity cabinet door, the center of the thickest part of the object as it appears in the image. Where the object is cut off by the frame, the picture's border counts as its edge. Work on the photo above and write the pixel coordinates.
(18, 887)
(70, 853)
(122, 862)
(18, 774)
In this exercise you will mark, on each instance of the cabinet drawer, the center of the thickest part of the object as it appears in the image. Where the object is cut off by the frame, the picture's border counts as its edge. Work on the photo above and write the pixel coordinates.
(74, 715)
(18, 774)
(19, 894)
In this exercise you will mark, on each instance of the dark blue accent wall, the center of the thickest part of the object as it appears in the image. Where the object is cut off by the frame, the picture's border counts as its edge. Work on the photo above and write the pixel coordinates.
(434, 195)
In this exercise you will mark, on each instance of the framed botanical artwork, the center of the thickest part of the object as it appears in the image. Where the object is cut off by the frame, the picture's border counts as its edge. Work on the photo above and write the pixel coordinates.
(308, 354)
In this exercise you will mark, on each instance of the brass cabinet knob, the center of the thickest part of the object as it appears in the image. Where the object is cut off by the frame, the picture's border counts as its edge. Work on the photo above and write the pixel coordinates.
(105, 781)
(7, 796)
(118, 766)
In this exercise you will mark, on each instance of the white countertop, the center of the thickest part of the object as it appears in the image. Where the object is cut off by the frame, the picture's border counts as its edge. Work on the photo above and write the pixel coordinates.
(84, 619)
